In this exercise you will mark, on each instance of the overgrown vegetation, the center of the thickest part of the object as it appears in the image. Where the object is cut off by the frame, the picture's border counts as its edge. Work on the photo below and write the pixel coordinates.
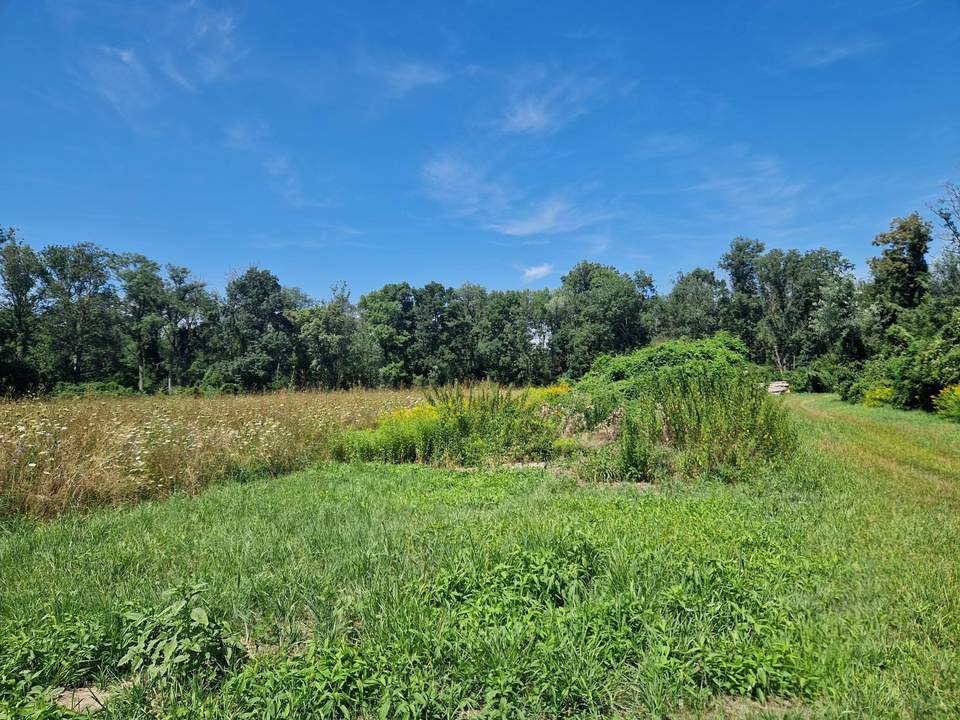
(675, 410)
(457, 426)
(824, 588)
(81, 319)
(83, 452)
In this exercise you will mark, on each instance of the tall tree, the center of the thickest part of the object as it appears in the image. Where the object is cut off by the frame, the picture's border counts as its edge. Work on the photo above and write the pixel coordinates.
(388, 313)
(185, 306)
(439, 348)
(257, 336)
(340, 350)
(790, 287)
(696, 306)
(79, 329)
(948, 210)
(21, 274)
(746, 306)
(900, 274)
(513, 340)
(143, 306)
(599, 310)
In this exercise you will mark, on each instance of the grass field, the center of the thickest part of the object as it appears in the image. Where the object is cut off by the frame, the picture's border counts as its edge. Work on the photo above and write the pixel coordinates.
(88, 452)
(827, 588)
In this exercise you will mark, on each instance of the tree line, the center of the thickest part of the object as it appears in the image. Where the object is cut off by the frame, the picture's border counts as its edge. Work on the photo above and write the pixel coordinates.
(73, 314)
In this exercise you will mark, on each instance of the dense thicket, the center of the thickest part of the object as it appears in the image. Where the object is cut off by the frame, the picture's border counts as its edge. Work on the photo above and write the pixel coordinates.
(75, 314)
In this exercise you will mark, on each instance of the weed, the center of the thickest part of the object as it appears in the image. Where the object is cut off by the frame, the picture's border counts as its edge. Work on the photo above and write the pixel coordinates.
(947, 403)
(179, 640)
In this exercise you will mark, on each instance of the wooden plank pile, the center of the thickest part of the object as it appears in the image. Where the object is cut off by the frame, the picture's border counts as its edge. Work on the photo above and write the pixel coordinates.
(778, 387)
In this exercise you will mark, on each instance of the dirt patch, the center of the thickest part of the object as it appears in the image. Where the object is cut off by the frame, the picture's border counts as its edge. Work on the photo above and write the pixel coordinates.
(85, 700)
(741, 708)
(526, 465)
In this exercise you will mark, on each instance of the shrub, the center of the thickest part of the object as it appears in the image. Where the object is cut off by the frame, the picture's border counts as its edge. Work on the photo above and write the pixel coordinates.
(820, 376)
(615, 381)
(947, 403)
(878, 396)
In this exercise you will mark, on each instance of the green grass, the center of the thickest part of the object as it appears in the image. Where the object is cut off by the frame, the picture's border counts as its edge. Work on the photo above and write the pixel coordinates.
(416, 592)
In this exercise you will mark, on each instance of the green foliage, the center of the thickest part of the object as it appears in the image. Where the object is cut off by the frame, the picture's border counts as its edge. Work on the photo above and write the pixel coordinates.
(179, 640)
(916, 369)
(460, 427)
(878, 396)
(599, 310)
(696, 306)
(617, 380)
(53, 652)
(900, 273)
(947, 403)
(718, 423)
(822, 375)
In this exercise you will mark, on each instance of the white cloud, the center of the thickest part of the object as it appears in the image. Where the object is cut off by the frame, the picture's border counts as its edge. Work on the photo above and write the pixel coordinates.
(541, 102)
(597, 244)
(470, 191)
(752, 187)
(203, 44)
(182, 48)
(536, 272)
(818, 55)
(252, 136)
(118, 75)
(666, 144)
(400, 77)
(246, 134)
(549, 217)
(464, 187)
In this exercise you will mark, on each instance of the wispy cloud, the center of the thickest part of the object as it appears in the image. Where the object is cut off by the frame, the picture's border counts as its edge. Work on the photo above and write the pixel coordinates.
(184, 47)
(751, 186)
(542, 102)
(119, 77)
(253, 136)
(666, 144)
(597, 244)
(471, 191)
(548, 217)
(536, 272)
(823, 54)
(464, 187)
(401, 76)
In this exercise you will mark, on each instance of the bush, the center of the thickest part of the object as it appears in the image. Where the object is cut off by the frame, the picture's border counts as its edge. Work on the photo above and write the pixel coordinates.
(615, 381)
(947, 403)
(819, 376)
(458, 427)
(878, 396)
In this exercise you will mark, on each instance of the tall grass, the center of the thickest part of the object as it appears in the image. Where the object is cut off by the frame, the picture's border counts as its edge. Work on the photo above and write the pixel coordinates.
(683, 424)
(62, 454)
(459, 426)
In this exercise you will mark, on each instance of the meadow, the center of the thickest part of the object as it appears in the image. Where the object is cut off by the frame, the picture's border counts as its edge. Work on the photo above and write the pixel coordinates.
(71, 453)
(750, 557)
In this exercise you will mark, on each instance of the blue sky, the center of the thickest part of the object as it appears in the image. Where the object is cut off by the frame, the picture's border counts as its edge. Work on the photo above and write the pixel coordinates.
(490, 142)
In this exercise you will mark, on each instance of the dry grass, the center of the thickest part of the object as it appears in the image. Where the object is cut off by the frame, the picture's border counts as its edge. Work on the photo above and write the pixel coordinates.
(61, 454)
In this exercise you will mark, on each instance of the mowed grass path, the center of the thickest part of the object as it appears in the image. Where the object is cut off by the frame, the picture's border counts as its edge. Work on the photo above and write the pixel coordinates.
(833, 581)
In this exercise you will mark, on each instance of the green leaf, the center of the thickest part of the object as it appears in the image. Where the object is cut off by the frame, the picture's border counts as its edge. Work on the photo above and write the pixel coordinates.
(199, 616)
